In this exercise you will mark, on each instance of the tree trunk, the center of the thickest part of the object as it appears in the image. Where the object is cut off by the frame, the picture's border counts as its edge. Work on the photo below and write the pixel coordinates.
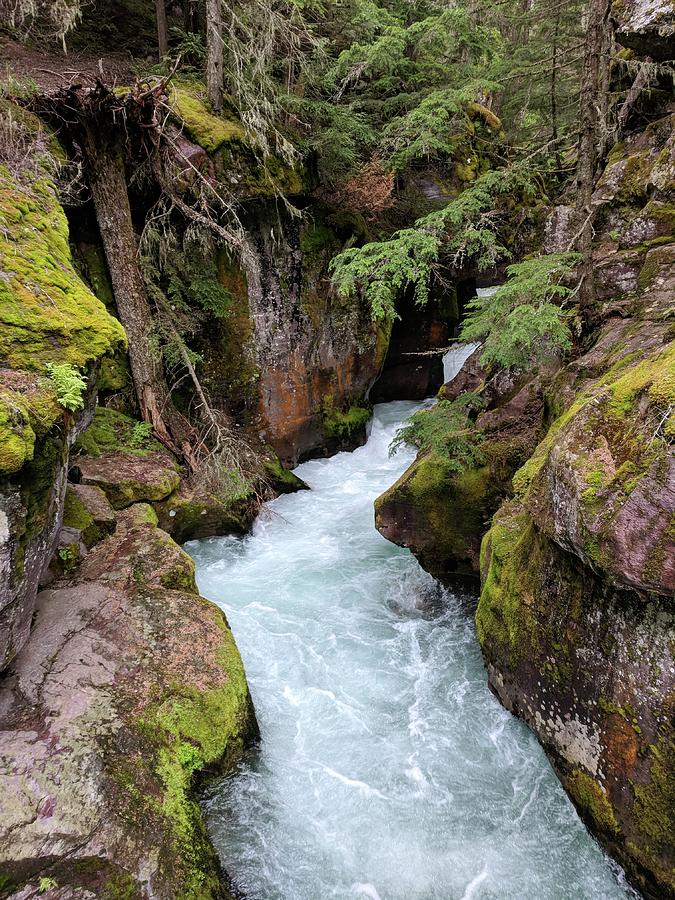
(214, 53)
(162, 29)
(590, 138)
(113, 213)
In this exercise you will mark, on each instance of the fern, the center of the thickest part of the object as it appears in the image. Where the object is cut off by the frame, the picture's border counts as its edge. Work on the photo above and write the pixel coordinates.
(69, 385)
(521, 323)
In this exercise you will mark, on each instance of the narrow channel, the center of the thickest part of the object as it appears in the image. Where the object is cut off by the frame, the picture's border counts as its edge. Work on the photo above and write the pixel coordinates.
(386, 768)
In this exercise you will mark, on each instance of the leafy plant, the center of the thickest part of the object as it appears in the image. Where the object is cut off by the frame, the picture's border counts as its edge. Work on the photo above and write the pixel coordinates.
(449, 429)
(140, 434)
(521, 323)
(46, 883)
(466, 230)
(69, 384)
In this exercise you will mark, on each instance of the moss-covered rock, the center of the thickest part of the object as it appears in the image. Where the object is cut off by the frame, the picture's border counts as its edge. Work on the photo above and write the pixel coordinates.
(441, 513)
(281, 479)
(589, 669)
(111, 431)
(575, 617)
(601, 484)
(345, 427)
(437, 514)
(126, 478)
(87, 509)
(233, 156)
(140, 692)
(119, 455)
(47, 315)
(190, 513)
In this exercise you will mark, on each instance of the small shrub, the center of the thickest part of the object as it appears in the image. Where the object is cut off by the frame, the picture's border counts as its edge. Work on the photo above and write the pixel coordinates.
(449, 429)
(46, 883)
(69, 384)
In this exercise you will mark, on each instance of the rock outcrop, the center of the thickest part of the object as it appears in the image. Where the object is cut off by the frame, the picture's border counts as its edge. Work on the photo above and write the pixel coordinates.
(121, 686)
(646, 26)
(47, 315)
(576, 618)
(128, 689)
(441, 514)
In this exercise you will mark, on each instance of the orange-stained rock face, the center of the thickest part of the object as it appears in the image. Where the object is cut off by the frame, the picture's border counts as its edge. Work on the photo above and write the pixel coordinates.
(291, 401)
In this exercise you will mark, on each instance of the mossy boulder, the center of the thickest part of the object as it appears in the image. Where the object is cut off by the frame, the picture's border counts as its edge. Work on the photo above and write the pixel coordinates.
(190, 513)
(603, 482)
(126, 478)
(440, 511)
(87, 509)
(344, 428)
(281, 479)
(437, 514)
(119, 455)
(129, 691)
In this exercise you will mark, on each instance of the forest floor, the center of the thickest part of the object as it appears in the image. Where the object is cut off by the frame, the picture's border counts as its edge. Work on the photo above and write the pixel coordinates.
(54, 69)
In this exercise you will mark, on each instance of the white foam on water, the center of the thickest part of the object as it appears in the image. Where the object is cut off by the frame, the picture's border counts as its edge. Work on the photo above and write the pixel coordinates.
(386, 769)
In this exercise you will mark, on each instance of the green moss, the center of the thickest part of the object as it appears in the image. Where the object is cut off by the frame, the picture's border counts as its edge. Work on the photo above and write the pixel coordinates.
(316, 238)
(144, 514)
(90, 260)
(75, 513)
(208, 130)
(592, 801)
(655, 800)
(655, 376)
(47, 315)
(344, 426)
(37, 479)
(196, 730)
(46, 312)
(282, 480)
(69, 558)
(112, 431)
(114, 375)
(510, 555)
(181, 576)
(120, 887)
(17, 437)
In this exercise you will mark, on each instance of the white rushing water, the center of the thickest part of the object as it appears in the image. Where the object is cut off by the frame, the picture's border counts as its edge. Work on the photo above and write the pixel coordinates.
(386, 768)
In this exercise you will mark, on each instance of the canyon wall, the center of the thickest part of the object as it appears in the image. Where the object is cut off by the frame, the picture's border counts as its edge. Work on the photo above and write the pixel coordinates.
(577, 568)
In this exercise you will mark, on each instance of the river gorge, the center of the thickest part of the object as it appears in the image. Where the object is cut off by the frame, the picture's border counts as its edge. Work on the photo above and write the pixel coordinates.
(386, 768)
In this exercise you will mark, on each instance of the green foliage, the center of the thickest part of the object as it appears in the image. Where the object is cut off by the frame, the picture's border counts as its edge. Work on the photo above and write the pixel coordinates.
(520, 324)
(114, 432)
(140, 434)
(69, 384)
(448, 429)
(17, 87)
(46, 883)
(464, 231)
(183, 282)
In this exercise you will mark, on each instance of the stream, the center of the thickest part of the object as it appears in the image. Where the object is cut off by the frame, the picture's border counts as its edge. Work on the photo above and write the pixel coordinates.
(386, 768)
